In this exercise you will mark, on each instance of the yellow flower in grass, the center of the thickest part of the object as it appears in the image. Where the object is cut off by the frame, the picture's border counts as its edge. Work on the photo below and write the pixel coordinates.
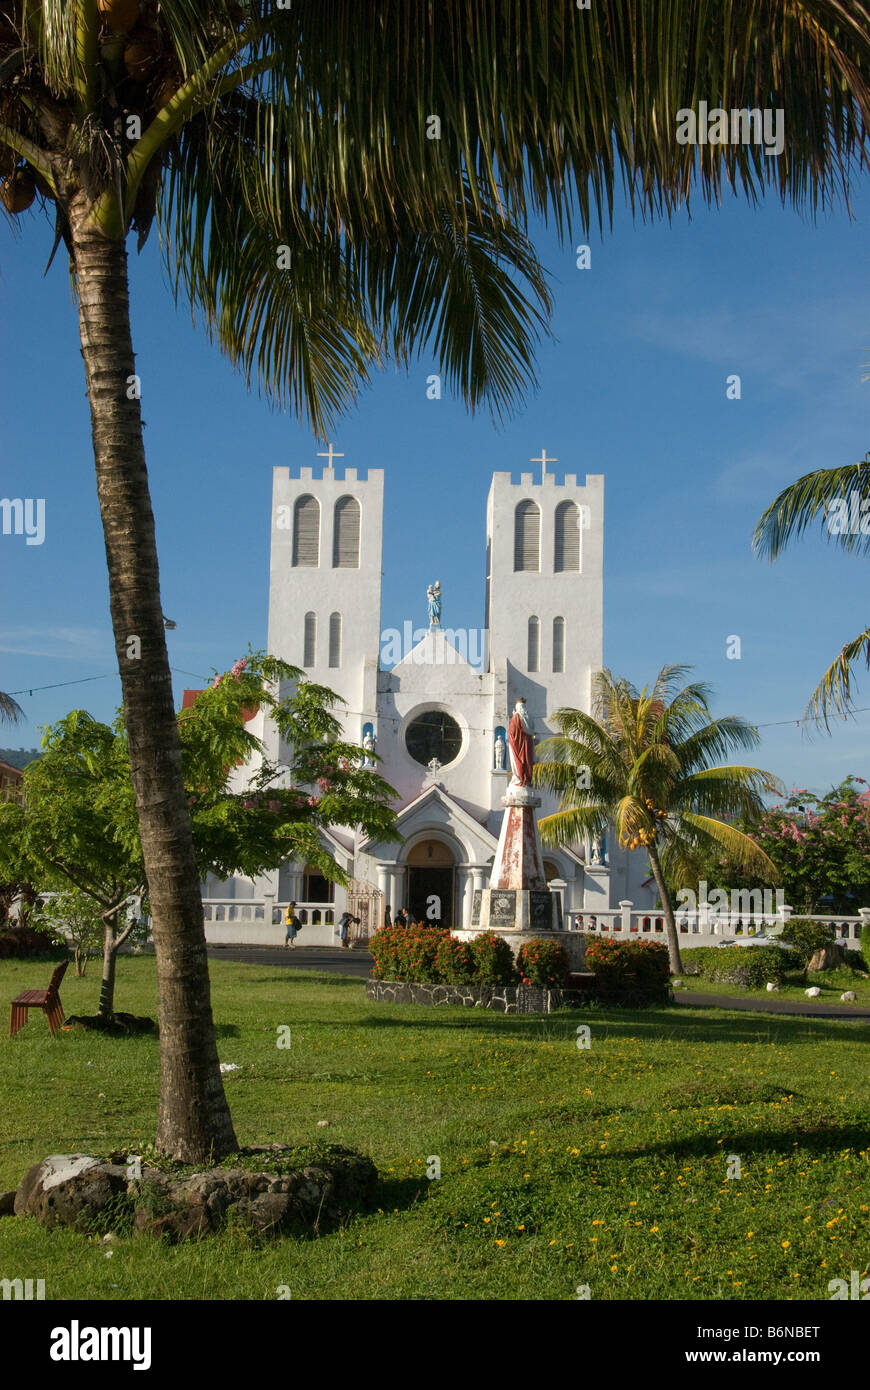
(786, 1244)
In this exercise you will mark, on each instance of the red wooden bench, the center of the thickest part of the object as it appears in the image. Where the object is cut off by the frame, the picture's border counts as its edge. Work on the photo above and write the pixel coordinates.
(46, 999)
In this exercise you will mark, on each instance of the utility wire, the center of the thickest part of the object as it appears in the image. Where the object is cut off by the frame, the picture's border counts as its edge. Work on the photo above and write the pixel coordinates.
(364, 714)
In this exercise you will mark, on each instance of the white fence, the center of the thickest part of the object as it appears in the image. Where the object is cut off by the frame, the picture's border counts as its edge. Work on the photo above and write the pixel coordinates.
(710, 928)
(260, 922)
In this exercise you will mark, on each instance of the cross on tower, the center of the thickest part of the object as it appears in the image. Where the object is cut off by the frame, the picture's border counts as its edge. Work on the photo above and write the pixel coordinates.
(331, 454)
(543, 460)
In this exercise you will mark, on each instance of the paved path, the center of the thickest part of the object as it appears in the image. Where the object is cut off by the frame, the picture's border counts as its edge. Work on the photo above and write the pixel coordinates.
(330, 958)
(358, 962)
(810, 1009)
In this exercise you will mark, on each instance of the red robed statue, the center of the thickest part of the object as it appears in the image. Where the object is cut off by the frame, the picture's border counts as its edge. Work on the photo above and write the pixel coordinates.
(521, 746)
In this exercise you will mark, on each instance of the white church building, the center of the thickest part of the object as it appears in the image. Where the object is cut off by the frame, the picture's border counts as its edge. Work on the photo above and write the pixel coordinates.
(433, 702)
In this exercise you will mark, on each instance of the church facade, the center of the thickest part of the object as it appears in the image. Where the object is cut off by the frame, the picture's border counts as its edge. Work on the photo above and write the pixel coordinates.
(434, 702)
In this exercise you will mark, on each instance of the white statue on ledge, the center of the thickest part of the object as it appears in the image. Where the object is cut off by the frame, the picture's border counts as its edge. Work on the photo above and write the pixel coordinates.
(500, 753)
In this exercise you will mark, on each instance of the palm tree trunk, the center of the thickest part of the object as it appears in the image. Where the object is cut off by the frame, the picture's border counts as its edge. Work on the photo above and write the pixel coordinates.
(194, 1119)
(668, 909)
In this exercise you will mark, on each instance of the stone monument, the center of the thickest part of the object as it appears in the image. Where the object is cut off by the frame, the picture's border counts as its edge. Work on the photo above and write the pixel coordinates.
(518, 900)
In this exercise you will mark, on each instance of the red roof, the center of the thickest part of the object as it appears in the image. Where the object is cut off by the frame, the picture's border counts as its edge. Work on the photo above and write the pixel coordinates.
(190, 697)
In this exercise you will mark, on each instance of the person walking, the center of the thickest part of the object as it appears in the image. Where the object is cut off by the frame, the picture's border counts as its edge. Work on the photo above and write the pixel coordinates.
(292, 925)
(343, 924)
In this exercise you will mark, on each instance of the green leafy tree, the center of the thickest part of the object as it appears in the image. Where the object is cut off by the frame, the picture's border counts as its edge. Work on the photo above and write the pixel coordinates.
(342, 185)
(839, 498)
(647, 762)
(73, 917)
(78, 829)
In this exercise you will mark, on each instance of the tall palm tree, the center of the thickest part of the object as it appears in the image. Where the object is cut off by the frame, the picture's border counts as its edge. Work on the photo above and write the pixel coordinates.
(339, 185)
(653, 774)
(840, 498)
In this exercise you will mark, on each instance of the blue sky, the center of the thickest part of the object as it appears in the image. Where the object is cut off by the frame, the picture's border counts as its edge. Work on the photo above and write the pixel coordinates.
(632, 385)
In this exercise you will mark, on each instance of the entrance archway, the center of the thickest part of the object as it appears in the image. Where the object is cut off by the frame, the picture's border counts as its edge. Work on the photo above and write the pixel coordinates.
(431, 882)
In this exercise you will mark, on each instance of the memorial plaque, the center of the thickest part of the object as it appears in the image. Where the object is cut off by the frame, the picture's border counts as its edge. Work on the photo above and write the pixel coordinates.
(502, 908)
(475, 907)
(541, 910)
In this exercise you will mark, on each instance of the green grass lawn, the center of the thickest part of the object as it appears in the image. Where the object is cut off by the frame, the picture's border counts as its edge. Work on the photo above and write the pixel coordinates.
(832, 983)
(560, 1167)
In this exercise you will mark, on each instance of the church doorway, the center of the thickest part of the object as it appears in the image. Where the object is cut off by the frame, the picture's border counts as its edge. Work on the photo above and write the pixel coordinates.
(431, 883)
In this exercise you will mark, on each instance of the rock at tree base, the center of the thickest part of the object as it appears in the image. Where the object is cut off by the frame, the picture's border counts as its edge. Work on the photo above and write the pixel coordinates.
(827, 957)
(76, 1190)
(69, 1190)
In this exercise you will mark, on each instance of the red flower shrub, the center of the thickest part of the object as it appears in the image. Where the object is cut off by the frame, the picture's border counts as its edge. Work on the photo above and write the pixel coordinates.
(493, 960)
(542, 962)
(629, 972)
(454, 961)
(407, 953)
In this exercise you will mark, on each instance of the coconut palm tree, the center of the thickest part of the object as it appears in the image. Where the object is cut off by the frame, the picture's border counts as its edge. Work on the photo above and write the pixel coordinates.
(338, 186)
(840, 499)
(651, 770)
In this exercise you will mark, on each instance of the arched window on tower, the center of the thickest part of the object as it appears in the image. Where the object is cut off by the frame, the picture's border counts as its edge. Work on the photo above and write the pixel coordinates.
(558, 645)
(567, 551)
(306, 531)
(335, 639)
(534, 644)
(345, 535)
(527, 536)
(309, 652)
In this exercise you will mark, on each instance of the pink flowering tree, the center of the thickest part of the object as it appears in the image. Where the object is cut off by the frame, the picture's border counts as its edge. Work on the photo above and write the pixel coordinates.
(820, 846)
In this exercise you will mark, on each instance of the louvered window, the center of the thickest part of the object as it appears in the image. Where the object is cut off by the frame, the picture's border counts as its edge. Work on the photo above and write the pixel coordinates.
(558, 645)
(527, 536)
(335, 639)
(534, 644)
(306, 532)
(309, 654)
(567, 556)
(345, 542)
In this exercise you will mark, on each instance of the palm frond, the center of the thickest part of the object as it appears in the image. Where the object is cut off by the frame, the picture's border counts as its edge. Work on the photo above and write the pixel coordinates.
(10, 710)
(703, 833)
(824, 494)
(833, 694)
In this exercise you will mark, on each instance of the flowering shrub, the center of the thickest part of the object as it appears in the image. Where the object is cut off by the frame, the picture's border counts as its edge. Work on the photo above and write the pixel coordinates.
(384, 947)
(634, 972)
(454, 961)
(493, 961)
(407, 953)
(542, 962)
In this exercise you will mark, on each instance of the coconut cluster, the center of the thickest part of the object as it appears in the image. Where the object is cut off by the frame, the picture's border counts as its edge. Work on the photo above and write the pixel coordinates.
(136, 56)
(645, 837)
